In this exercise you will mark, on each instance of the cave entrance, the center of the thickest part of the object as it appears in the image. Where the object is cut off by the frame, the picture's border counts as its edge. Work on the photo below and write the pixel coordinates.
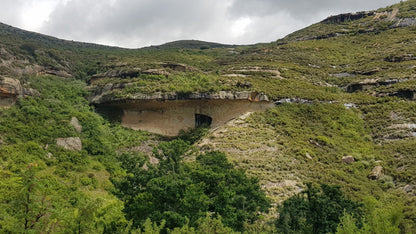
(202, 120)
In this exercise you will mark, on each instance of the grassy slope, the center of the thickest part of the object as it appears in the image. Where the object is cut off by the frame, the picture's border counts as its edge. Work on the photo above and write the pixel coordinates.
(272, 145)
(74, 184)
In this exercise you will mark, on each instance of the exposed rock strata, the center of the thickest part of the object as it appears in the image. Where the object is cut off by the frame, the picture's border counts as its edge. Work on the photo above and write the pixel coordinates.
(348, 159)
(123, 71)
(11, 90)
(376, 173)
(70, 143)
(341, 18)
(169, 113)
(102, 94)
(75, 123)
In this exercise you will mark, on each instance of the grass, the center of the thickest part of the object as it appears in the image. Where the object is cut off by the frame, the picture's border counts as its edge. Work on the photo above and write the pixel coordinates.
(284, 147)
(296, 143)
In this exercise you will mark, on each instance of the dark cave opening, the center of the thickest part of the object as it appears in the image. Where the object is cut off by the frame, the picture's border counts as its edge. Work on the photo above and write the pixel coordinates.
(202, 120)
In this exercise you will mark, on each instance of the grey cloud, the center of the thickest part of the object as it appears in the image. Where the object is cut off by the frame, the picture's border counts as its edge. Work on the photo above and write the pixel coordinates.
(142, 21)
(303, 9)
(145, 22)
(9, 16)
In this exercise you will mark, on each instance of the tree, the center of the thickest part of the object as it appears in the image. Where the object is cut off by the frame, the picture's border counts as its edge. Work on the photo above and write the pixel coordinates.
(318, 209)
(380, 217)
(30, 205)
(181, 193)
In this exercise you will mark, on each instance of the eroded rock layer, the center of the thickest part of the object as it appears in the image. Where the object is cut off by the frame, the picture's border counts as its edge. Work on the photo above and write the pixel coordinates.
(169, 117)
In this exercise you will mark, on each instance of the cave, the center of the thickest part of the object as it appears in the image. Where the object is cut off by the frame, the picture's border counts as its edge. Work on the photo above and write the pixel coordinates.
(168, 118)
(202, 120)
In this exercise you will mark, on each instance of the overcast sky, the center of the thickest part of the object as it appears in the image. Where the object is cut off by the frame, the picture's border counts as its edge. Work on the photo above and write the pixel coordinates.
(138, 23)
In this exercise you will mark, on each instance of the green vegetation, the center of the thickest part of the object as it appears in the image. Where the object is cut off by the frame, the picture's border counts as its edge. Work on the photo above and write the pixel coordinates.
(44, 187)
(318, 209)
(48, 188)
(281, 170)
(184, 193)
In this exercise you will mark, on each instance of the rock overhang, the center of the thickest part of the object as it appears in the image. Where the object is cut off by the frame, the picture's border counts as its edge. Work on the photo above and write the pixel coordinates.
(169, 113)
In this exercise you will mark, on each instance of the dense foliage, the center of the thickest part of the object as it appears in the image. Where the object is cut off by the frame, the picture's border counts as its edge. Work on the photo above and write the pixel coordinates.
(344, 89)
(318, 209)
(182, 193)
(45, 188)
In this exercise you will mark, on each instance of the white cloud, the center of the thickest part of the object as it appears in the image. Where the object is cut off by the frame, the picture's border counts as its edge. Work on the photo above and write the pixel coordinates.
(239, 27)
(36, 13)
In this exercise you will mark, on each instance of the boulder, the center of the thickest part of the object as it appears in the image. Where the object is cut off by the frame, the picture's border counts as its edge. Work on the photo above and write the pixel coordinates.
(10, 87)
(75, 123)
(10, 90)
(376, 173)
(145, 167)
(348, 159)
(31, 92)
(70, 143)
(153, 160)
(408, 188)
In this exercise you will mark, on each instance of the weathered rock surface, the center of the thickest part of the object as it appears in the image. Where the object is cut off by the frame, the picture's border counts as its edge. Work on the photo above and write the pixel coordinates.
(70, 143)
(368, 84)
(102, 94)
(10, 87)
(11, 90)
(408, 126)
(75, 123)
(124, 71)
(376, 173)
(408, 188)
(404, 22)
(396, 58)
(160, 71)
(348, 159)
(169, 117)
(341, 18)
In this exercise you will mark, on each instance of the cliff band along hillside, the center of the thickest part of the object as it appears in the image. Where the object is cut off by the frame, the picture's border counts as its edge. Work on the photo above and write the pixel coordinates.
(213, 137)
(168, 114)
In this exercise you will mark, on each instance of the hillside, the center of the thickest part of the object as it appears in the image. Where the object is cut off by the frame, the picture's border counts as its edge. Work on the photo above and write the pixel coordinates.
(338, 109)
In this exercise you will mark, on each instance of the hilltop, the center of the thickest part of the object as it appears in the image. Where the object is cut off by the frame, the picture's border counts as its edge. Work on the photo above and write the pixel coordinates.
(333, 103)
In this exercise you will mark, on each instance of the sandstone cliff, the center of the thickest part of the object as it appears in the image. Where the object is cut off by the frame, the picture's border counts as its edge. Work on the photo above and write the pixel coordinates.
(11, 90)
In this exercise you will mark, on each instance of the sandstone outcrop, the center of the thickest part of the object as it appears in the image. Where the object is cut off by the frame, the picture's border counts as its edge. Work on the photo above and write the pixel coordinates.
(341, 18)
(70, 143)
(376, 173)
(75, 123)
(124, 71)
(167, 113)
(368, 84)
(11, 90)
(103, 94)
(348, 159)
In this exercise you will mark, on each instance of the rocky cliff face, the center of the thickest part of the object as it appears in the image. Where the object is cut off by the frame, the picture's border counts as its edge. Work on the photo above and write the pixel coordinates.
(341, 18)
(15, 66)
(103, 94)
(169, 117)
(167, 113)
(11, 90)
